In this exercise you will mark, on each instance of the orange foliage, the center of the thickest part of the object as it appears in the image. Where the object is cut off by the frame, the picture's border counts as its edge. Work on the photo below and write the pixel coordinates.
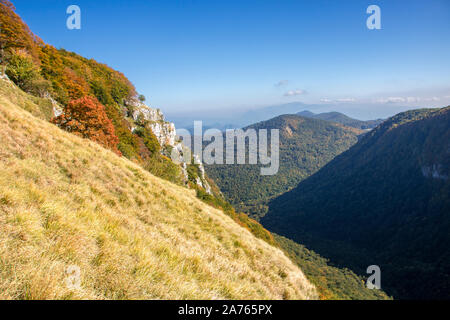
(86, 117)
(76, 86)
(71, 76)
(15, 33)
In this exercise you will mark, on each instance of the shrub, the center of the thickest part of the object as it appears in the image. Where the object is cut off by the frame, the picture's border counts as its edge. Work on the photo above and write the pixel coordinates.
(149, 139)
(22, 71)
(164, 168)
(39, 87)
(86, 117)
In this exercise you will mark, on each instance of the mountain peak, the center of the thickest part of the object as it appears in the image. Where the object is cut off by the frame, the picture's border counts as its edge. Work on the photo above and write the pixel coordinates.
(341, 118)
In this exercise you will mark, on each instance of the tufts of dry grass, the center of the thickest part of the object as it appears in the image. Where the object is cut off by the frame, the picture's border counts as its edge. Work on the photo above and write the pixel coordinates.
(67, 202)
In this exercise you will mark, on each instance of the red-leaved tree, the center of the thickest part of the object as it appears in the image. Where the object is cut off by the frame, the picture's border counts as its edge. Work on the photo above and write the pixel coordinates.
(86, 117)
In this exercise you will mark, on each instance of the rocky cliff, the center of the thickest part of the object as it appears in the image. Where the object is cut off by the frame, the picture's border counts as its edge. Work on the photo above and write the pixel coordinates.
(152, 118)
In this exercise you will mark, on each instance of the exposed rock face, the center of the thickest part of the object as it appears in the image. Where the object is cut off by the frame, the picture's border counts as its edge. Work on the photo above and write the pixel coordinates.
(142, 114)
(185, 173)
(57, 109)
(201, 181)
(166, 134)
(3, 76)
(140, 111)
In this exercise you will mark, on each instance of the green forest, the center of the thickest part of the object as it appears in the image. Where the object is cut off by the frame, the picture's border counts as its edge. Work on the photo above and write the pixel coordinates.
(385, 202)
(305, 146)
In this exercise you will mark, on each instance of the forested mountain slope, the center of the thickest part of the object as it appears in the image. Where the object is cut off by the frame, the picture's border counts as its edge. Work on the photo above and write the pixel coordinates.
(385, 202)
(305, 146)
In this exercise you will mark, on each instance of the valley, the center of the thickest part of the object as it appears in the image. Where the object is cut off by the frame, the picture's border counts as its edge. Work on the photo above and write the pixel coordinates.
(378, 203)
(305, 146)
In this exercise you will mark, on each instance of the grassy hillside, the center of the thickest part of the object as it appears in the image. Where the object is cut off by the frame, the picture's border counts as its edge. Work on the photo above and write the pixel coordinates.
(67, 201)
(38, 107)
(385, 201)
(305, 146)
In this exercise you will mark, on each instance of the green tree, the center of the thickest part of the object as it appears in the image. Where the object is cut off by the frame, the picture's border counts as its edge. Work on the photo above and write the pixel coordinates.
(22, 71)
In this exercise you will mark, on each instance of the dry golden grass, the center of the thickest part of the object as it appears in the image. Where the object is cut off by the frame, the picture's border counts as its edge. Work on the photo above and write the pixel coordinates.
(66, 201)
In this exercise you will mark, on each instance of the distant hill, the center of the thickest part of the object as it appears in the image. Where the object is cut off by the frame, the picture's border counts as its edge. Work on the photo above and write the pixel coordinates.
(305, 146)
(234, 118)
(386, 201)
(241, 117)
(342, 119)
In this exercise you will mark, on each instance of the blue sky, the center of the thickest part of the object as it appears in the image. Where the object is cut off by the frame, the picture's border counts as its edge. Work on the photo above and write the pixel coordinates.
(194, 55)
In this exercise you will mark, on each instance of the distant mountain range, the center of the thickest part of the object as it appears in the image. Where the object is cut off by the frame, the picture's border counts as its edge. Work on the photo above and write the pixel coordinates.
(240, 118)
(342, 119)
(305, 146)
(385, 201)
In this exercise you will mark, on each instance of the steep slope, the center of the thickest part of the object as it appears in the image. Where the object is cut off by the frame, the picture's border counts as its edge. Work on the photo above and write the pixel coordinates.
(65, 201)
(140, 133)
(305, 146)
(385, 202)
(342, 119)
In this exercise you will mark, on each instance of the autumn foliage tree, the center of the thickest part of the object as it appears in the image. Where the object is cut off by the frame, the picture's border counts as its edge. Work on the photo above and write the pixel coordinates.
(65, 75)
(87, 118)
(15, 34)
(22, 70)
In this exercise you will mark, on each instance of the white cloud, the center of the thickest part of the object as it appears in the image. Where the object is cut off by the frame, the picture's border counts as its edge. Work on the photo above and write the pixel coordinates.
(292, 93)
(395, 99)
(413, 99)
(346, 100)
(282, 83)
(407, 100)
(327, 100)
